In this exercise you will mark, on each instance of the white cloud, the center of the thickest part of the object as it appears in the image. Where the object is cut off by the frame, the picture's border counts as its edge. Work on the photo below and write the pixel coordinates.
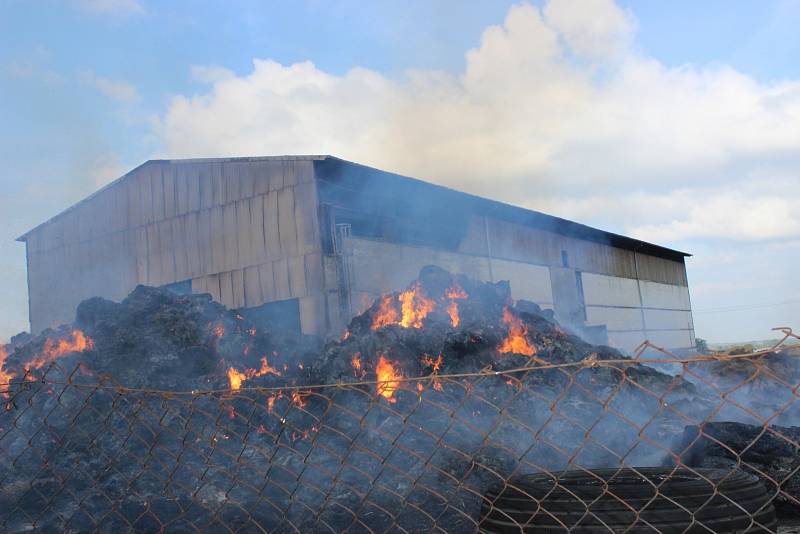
(115, 89)
(113, 7)
(727, 214)
(591, 28)
(554, 108)
(747, 212)
(211, 73)
(104, 168)
(33, 64)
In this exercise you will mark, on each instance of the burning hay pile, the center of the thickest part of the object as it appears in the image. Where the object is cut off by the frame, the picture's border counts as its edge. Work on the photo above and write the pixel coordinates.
(171, 412)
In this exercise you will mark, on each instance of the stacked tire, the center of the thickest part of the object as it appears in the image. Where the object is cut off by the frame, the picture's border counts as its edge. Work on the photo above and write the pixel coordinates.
(630, 500)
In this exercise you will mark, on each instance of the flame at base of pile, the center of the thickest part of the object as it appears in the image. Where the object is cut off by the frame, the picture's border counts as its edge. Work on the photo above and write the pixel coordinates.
(517, 340)
(389, 378)
(5, 376)
(414, 413)
(52, 349)
(236, 377)
(410, 308)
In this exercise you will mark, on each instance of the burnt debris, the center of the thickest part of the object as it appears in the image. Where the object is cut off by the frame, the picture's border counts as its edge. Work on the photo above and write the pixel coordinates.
(770, 453)
(169, 411)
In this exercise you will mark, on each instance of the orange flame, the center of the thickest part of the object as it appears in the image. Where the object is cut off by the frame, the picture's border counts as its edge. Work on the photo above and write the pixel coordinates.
(427, 361)
(387, 313)
(355, 361)
(305, 434)
(219, 330)
(266, 368)
(77, 342)
(452, 311)
(415, 306)
(517, 339)
(271, 401)
(454, 293)
(346, 335)
(5, 376)
(297, 399)
(388, 378)
(236, 377)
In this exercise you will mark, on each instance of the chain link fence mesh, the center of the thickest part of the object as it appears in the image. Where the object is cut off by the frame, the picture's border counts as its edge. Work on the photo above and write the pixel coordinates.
(442, 452)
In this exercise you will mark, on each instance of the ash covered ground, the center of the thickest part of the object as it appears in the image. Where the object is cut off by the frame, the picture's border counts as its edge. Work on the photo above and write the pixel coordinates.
(171, 412)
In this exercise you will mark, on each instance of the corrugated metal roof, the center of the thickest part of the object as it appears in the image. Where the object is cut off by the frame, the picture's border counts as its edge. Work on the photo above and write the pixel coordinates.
(152, 161)
(480, 204)
(501, 210)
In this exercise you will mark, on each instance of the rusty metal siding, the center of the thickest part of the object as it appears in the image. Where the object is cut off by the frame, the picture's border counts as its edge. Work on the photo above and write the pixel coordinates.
(661, 270)
(532, 245)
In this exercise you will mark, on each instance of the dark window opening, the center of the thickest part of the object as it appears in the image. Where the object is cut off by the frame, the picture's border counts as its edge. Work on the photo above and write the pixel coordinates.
(564, 259)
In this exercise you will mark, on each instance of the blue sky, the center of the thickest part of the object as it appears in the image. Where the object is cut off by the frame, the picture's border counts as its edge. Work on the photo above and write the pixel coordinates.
(676, 122)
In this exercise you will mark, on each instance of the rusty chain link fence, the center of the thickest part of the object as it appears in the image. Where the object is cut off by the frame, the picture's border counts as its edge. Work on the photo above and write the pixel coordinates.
(598, 445)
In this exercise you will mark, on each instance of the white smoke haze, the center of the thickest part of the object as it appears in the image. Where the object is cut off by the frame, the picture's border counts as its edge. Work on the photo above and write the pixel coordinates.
(552, 103)
(121, 91)
(111, 7)
(555, 109)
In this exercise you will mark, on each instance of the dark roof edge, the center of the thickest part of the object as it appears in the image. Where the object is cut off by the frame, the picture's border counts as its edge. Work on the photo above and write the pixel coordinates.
(556, 224)
(308, 157)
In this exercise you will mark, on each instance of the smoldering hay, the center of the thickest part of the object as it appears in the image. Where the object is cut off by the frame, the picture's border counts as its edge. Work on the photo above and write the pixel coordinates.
(176, 413)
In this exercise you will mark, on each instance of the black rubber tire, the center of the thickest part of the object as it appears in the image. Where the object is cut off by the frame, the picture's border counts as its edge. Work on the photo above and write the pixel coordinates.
(648, 499)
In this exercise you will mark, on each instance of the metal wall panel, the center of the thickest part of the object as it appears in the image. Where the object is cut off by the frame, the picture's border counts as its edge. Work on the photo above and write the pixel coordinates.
(221, 224)
(601, 290)
(615, 318)
(672, 339)
(528, 281)
(666, 296)
(668, 319)
(649, 308)
(380, 267)
(533, 245)
(661, 270)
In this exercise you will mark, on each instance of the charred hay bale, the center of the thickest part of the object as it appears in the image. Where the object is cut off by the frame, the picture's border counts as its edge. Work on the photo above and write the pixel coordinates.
(771, 453)
(450, 437)
(764, 384)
